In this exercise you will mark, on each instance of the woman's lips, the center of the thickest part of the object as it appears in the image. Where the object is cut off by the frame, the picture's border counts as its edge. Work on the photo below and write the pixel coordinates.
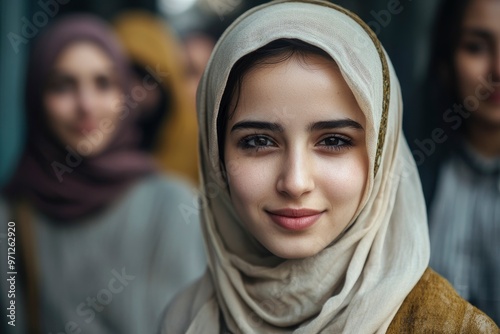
(83, 127)
(294, 219)
(495, 97)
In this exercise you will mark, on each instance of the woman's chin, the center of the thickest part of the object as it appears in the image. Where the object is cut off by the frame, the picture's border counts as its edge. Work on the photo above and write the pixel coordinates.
(295, 250)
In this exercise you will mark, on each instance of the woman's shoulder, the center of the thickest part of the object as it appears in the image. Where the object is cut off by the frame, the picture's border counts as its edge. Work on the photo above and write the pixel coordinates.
(433, 306)
(166, 191)
(168, 183)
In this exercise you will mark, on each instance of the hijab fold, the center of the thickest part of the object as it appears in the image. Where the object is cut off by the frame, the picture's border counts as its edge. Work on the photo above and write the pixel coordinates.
(357, 283)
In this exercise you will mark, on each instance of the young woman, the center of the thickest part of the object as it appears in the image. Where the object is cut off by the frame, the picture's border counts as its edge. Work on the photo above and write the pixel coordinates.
(102, 244)
(314, 220)
(462, 178)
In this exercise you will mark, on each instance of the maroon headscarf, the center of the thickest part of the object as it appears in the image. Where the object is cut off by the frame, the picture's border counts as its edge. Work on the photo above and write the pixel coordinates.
(88, 184)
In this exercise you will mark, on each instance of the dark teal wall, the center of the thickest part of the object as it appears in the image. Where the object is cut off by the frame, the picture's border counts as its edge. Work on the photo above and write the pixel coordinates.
(11, 82)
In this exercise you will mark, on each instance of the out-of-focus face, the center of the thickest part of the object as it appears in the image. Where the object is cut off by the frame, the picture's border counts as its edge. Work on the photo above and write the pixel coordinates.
(477, 59)
(297, 138)
(198, 49)
(82, 98)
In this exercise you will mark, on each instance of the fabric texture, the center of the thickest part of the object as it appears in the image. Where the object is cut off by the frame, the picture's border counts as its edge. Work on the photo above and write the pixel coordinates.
(464, 227)
(95, 181)
(356, 284)
(433, 306)
(151, 44)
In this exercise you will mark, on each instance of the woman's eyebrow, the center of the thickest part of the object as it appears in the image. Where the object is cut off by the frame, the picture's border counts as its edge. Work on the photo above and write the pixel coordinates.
(257, 125)
(479, 32)
(335, 124)
(111, 70)
(316, 126)
(59, 76)
(58, 73)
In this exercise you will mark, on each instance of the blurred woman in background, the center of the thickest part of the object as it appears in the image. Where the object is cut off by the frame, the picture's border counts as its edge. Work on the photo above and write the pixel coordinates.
(461, 174)
(169, 120)
(104, 240)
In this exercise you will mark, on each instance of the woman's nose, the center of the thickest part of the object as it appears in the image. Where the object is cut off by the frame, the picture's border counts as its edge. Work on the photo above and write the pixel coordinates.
(296, 175)
(87, 100)
(495, 66)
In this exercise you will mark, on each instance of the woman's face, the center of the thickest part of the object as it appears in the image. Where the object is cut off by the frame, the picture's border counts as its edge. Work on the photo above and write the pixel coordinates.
(82, 98)
(297, 139)
(477, 59)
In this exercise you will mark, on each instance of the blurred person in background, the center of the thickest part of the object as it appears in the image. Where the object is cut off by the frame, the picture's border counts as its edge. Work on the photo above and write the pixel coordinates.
(101, 235)
(169, 121)
(198, 47)
(461, 169)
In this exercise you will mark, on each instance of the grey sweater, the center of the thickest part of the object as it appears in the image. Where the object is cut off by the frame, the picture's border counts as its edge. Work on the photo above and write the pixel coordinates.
(116, 271)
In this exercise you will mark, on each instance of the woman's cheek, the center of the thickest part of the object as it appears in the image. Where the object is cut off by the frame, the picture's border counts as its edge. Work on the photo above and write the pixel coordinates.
(343, 182)
(61, 108)
(112, 105)
(61, 113)
(469, 70)
(254, 180)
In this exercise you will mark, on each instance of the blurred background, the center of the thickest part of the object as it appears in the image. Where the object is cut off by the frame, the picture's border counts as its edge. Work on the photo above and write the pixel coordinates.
(404, 33)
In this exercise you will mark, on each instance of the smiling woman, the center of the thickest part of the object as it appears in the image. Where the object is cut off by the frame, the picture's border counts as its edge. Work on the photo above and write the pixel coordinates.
(308, 166)
(320, 226)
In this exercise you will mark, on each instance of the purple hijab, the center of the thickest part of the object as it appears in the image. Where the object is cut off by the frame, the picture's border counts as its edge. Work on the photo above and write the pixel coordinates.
(88, 184)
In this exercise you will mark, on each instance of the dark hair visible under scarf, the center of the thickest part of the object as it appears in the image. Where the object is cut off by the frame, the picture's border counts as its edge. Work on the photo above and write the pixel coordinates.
(97, 180)
(273, 53)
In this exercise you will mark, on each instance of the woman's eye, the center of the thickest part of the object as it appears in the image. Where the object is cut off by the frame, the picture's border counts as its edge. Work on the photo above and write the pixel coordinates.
(475, 47)
(256, 142)
(61, 86)
(103, 83)
(335, 143)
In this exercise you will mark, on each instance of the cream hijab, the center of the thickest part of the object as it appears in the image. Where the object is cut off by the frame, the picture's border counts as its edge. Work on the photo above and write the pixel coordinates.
(356, 284)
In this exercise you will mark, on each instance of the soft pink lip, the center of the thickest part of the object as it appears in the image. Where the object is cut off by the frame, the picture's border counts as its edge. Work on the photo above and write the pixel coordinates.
(294, 219)
(84, 127)
(494, 97)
